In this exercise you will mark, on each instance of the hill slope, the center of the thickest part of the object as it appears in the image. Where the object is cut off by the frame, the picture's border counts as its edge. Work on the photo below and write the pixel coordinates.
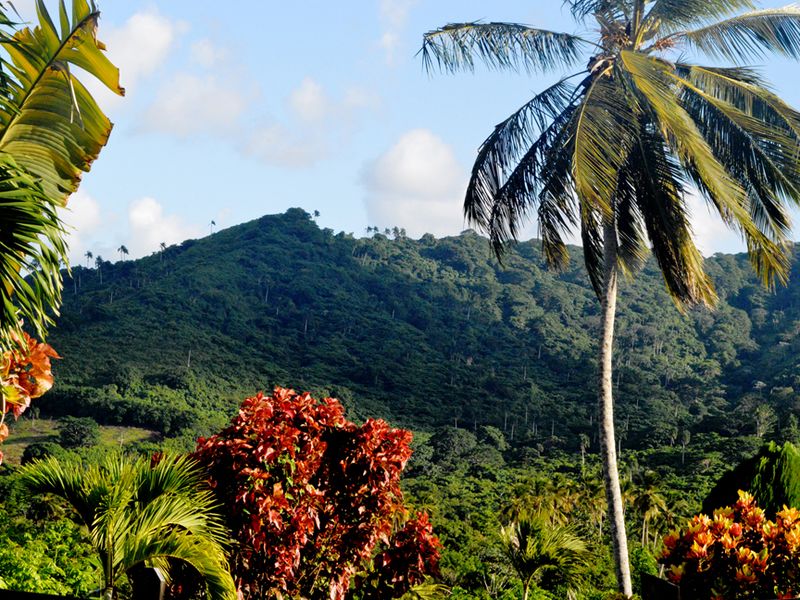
(423, 332)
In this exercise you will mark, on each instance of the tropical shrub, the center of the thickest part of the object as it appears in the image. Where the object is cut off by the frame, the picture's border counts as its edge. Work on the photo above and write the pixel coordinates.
(736, 553)
(25, 374)
(772, 476)
(78, 432)
(141, 512)
(314, 501)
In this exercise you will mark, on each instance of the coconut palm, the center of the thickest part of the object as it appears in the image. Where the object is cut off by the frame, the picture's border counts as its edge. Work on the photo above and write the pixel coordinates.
(89, 256)
(548, 556)
(51, 130)
(616, 149)
(123, 252)
(137, 513)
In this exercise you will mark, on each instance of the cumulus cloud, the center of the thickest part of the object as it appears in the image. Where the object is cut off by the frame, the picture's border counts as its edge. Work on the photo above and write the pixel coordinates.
(309, 102)
(191, 104)
(279, 145)
(83, 219)
(393, 15)
(150, 226)
(139, 47)
(417, 184)
(208, 55)
(316, 124)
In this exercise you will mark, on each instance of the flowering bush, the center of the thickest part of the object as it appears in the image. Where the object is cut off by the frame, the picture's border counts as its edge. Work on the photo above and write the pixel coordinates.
(314, 501)
(25, 374)
(737, 553)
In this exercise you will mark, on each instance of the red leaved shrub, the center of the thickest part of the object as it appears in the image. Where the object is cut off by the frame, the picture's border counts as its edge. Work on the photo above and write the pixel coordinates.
(314, 501)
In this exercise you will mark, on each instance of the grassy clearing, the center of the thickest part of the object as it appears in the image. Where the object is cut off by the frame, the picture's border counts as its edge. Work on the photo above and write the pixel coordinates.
(28, 431)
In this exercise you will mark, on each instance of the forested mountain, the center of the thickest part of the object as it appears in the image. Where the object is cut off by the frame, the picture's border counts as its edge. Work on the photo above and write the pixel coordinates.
(424, 332)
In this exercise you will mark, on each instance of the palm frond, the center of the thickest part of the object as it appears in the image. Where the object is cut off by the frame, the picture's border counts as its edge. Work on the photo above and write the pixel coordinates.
(206, 557)
(593, 245)
(32, 244)
(658, 183)
(667, 16)
(508, 143)
(604, 131)
(542, 184)
(512, 46)
(656, 81)
(546, 555)
(745, 90)
(136, 513)
(608, 9)
(632, 247)
(556, 213)
(62, 478)
(48, 120)
(652, 79)
(753, 35)
(764, 160)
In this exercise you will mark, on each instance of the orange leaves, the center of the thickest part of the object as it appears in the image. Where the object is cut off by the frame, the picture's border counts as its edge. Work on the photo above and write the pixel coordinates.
(737, 553)
(26, 374)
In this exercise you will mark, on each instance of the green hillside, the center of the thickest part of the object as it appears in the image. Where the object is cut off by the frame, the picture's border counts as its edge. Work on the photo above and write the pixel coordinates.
(425, 332)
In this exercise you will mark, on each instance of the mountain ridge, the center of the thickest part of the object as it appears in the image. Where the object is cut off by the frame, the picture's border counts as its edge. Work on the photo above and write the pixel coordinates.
(423, 332)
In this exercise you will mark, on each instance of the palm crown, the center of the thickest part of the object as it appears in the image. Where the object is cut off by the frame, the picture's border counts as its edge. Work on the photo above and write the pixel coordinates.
(616, 147)
(139, 513)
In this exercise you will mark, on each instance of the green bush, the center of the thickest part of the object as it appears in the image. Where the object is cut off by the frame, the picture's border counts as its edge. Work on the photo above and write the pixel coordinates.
(78, 432)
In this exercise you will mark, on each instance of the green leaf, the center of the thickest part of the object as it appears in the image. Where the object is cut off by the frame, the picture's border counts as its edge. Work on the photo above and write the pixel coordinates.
(48, 121)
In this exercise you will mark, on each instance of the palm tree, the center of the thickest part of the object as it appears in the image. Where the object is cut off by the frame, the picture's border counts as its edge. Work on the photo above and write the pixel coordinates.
(211, 226)
(123, 252)
(616, 148)
(89, 256)
(51, 130)
(98, 262)
(545, 555)
(649, 502)
(139, 513)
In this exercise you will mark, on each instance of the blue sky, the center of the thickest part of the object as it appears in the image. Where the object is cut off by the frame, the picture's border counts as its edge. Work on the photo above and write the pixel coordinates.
(233, 113)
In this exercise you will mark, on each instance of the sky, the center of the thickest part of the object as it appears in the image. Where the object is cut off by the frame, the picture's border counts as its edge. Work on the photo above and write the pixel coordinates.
(240, 109)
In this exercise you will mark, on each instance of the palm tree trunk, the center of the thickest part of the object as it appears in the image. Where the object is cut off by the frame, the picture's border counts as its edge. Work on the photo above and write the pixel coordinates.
(608, 451)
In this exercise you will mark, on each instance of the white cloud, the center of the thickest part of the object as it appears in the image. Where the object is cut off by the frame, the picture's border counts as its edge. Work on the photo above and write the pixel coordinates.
(316, 124)
(308, 102)
(138, 48)
(206, 54)
(417, 184)
(83, 218)
(393, 15)
(150, 226)
(191, 104)
(710, 233)
(277, 144)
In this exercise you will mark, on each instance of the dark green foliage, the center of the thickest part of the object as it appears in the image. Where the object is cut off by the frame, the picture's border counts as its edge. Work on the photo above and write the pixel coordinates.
(492, 436)
(426, 333)
(78, 432)
(772, 476)
(40, 450)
